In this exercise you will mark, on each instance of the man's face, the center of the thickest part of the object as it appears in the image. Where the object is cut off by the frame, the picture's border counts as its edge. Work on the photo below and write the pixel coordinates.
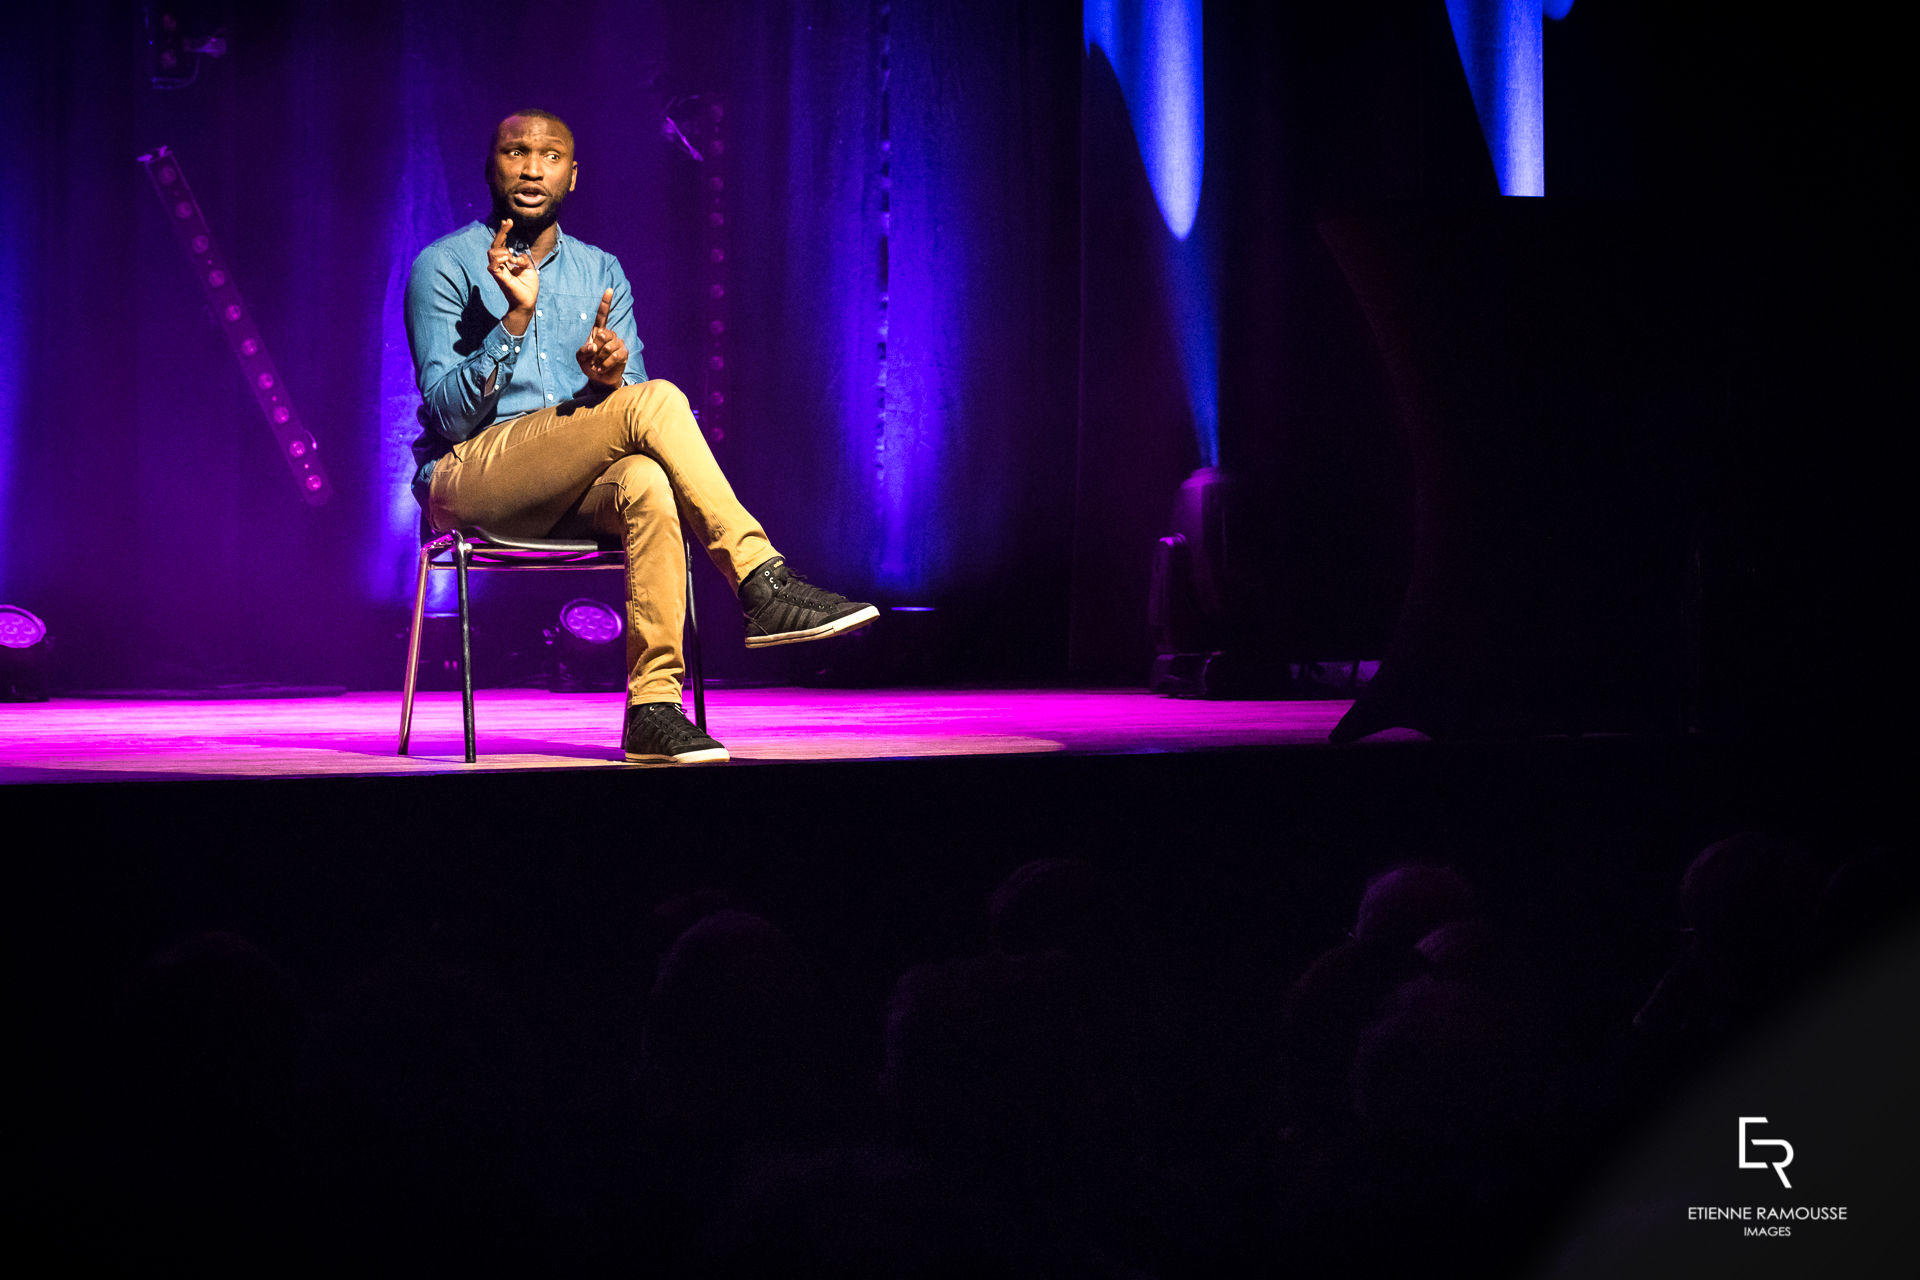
(530, 171)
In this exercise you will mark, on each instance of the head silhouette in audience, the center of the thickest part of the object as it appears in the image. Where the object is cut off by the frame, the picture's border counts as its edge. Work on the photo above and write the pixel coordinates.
(1746, 910)
(1323, 1013)
(426, 1114)
(1404, 904)
(731, 1045)
(1006, 1066)
(1061, 904)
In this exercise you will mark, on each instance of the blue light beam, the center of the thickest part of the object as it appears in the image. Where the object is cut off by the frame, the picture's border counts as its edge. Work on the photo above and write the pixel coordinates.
(1500, 51)
(421, 211)
(1155, 48)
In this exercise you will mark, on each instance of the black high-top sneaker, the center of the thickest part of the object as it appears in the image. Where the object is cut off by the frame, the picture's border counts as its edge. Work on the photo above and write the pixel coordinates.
(660, 731)
(784, 608)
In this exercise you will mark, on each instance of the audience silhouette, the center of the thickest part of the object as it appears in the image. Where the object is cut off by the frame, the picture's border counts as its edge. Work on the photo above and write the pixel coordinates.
(1054, 1103)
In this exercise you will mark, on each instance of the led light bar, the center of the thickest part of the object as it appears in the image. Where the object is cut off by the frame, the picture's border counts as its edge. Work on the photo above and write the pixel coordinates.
(297, 445)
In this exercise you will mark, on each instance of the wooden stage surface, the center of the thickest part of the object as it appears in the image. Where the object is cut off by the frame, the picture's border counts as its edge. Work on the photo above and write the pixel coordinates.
(95, 739)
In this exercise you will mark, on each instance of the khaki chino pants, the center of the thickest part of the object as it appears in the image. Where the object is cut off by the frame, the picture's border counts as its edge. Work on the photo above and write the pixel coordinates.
(630, 466)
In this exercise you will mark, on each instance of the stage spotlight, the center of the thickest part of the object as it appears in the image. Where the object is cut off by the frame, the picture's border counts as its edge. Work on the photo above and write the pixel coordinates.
(176, 42)
(23, 656)
(586, 648)
(1209, 640)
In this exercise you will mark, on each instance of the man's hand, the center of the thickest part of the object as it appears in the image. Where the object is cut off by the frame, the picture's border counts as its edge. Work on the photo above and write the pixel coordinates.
(604, 358)
(517, 277)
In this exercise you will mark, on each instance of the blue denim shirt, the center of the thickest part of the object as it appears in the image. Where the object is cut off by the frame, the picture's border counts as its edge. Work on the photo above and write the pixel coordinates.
(471, 372)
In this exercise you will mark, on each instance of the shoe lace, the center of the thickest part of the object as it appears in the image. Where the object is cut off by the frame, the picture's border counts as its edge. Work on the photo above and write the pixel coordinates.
(670, 722)
(797, 590)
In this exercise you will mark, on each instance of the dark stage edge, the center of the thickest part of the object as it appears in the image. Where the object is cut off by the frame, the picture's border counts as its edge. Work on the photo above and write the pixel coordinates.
(898, 854)
(1247, 861)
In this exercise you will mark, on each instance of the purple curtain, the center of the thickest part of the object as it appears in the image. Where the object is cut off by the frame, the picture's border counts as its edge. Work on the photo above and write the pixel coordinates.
(147, 515)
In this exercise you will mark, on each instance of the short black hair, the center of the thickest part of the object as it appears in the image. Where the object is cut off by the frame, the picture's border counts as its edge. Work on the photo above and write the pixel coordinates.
(533, 112)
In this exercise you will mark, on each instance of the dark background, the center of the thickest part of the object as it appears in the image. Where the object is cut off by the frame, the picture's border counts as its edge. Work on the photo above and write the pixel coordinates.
(1744, 168)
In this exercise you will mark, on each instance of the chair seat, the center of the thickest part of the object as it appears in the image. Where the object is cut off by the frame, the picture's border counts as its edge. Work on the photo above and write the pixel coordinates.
(479, 537)
(478, 548)
(489, 550)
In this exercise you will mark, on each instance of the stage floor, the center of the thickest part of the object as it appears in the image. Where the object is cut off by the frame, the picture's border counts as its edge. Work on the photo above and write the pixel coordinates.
(81, 740)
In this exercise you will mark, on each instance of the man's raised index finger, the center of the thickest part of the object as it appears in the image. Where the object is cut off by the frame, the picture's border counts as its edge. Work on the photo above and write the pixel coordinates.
(500, 236)
(606, 308)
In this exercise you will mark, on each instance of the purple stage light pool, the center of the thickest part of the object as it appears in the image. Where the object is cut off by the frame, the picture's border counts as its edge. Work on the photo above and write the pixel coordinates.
(352, 734)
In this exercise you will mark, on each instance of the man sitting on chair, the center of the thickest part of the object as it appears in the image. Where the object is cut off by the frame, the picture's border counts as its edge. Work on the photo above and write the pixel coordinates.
(541, 422)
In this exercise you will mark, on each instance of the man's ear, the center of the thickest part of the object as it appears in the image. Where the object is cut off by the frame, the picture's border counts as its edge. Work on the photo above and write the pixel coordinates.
(573, 179)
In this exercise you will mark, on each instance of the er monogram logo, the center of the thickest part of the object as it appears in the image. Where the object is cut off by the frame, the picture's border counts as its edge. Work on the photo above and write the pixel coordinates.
(1778, 1166)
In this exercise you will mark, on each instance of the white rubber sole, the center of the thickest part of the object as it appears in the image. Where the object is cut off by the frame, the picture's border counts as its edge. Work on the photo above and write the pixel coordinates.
(713, 755)
(839, 626)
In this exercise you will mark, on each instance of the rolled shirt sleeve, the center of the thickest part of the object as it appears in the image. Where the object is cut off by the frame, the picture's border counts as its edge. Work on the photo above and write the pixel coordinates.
(460, 373)
(620, 320)
(470, 371)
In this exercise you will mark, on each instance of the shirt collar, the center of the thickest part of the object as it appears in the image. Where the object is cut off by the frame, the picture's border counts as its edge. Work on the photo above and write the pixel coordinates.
(559, 238)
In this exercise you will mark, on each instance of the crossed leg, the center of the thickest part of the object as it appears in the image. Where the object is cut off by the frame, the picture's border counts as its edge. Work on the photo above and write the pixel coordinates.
(631, 466)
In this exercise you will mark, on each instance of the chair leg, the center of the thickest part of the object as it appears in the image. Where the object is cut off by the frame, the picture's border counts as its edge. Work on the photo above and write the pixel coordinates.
(695, 676)
(461, 552)
(413, 649)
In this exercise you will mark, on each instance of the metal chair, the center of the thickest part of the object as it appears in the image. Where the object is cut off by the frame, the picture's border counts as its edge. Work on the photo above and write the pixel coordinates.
(477, 549)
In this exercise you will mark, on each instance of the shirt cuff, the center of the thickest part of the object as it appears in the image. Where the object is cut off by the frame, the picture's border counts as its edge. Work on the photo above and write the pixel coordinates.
(501, 345)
